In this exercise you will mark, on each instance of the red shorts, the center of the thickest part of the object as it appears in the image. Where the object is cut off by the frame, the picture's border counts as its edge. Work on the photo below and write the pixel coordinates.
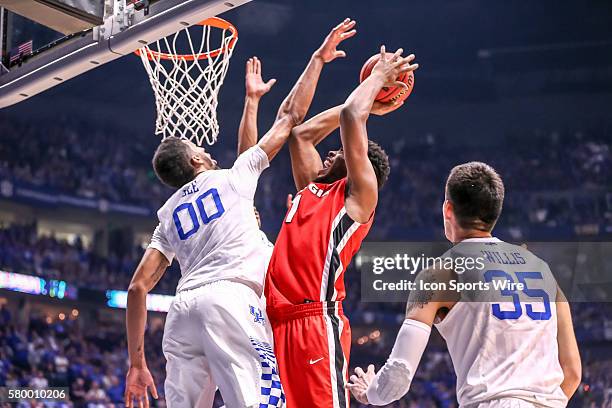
(312, 344)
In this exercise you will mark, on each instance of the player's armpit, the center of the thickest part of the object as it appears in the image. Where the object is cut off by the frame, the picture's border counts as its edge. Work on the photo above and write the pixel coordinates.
(425, 303)
(569, 355)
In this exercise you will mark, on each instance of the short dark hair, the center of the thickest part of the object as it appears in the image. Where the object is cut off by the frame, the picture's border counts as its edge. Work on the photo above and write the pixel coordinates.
(477, 194)
(172, 163)
(380, 162)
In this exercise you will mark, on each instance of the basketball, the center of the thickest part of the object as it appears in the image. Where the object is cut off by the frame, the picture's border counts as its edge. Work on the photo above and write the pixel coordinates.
(388, 94)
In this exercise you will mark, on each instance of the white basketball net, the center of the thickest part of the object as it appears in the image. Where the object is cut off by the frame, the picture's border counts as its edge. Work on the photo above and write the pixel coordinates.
(186, 83)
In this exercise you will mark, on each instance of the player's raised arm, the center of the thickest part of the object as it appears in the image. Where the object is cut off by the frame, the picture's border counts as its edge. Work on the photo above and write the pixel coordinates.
(393, 380)
(139, 379)
(255, 89)
(362, 181)
(295, 106)
(569, 355)
(305, 160)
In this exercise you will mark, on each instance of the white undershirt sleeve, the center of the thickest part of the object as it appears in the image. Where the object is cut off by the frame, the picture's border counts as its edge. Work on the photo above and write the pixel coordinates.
(393, 380)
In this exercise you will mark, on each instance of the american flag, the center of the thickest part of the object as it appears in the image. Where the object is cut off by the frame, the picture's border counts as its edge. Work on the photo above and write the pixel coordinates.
(18, 52)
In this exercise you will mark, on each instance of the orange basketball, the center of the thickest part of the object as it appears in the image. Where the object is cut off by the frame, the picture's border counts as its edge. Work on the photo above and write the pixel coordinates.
(389, 94)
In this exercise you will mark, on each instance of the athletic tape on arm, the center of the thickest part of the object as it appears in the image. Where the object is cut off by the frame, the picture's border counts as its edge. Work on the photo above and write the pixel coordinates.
(393, 380)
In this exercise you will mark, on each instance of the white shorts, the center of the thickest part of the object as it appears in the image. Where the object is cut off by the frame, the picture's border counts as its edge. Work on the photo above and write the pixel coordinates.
(219, 335)
(508, 403)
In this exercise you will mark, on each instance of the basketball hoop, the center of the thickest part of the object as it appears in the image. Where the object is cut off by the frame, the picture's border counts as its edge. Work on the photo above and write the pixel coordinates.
(186, 83)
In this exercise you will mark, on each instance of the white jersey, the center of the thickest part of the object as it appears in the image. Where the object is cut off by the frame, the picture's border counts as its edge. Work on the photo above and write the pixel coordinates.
(504, 345)
(269, 247)
(210, 226)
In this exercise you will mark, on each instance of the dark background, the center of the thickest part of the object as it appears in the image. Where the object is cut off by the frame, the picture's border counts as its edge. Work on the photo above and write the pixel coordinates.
(485, 66)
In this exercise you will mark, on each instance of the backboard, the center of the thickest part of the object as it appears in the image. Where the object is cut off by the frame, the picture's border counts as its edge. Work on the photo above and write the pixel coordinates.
(29, 68)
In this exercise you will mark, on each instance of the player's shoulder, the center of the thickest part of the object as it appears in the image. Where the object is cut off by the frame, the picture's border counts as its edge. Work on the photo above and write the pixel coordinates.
(253, 156)
(496, 250)
(334, 188)
(325, 189)
(340, 184)
(523, 251)
(188, 191)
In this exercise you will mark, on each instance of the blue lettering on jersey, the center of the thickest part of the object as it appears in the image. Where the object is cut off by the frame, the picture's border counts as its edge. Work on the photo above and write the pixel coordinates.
(190, 189)
(183, 235)
(511, 291)
(204, 216)
(504, 258)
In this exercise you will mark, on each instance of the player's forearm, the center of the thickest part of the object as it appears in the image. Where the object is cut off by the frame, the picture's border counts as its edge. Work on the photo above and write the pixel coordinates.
(136, 318)
(150, 270)
(247, 132)
(305, 160)
(570, 384)
(393, 380)
(572, 375)
(293, 109)
(353, 117)
(318, 127)
(359, 103)
(296, 104)
(569, 354)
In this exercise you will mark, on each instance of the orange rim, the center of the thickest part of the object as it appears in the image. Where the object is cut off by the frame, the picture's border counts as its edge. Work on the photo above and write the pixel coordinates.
(213, 22)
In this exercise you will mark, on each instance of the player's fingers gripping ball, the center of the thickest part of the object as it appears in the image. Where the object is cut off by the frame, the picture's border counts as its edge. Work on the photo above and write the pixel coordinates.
(393, 94)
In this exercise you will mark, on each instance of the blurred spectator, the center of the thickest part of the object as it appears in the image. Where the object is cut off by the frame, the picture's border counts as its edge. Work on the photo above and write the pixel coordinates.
(553, 179)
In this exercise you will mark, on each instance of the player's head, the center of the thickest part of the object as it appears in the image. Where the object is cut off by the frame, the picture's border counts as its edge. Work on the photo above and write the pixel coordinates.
(334, 166)
(177, 161)
(474, 196)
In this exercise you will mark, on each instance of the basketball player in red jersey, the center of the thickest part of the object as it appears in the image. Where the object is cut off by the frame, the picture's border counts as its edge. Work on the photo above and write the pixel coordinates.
(323, 229)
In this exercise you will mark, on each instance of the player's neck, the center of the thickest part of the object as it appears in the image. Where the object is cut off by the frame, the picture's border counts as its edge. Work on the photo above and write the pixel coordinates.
(204, 169)
(467, 234)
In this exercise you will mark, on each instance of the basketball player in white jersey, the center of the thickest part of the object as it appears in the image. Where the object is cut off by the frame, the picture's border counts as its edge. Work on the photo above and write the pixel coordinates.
(511, 349)
(216, 330)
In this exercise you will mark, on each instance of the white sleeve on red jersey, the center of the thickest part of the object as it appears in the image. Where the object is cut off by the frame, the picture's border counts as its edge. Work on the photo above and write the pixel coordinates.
(245, 172)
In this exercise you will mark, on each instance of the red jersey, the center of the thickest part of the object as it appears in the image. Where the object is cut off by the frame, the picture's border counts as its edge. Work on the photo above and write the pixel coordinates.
(316, 243)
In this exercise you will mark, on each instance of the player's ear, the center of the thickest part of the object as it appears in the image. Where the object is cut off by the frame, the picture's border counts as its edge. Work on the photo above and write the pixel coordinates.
(447, 210)
(196, 160)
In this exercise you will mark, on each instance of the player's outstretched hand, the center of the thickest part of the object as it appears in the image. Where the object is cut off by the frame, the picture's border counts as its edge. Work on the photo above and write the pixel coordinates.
(390, 67)
(382, 108)
(328, 50)
(360, 381)
(255, 86)
(137, 382)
